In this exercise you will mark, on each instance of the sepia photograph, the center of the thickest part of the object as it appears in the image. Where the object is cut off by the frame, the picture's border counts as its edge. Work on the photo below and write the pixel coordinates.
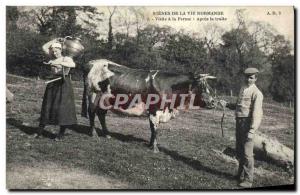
(147, 98)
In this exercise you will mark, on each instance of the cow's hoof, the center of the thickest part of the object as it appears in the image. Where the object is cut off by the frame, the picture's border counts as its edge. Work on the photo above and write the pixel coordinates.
(36, 136)
(69, 132)
(96, 137)
(156, 150)
(94, 134)
(59, 138)
(91, 134)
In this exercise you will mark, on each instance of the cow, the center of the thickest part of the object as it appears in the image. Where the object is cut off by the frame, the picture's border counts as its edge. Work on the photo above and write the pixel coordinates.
(104, 78)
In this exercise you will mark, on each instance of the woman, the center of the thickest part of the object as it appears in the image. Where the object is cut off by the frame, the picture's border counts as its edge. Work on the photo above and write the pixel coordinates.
(58, 107)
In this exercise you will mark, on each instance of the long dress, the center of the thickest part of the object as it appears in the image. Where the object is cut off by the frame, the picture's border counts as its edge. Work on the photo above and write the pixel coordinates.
(58, 107)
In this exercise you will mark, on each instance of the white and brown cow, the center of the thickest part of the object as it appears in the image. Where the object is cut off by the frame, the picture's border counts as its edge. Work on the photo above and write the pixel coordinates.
(154, 93)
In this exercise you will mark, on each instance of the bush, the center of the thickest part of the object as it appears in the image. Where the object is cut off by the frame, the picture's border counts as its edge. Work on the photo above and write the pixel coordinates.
(24, 53)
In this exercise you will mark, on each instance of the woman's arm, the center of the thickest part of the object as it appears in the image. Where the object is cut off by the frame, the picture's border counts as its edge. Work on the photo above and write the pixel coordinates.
(65, 61)
(68, 62)
(46, 46)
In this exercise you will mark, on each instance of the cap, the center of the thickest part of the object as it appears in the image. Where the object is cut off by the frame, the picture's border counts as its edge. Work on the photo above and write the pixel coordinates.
(250, 71)
(56, 45)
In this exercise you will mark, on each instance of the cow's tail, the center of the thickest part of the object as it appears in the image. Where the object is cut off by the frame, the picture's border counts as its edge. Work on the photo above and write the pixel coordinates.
(84, 103)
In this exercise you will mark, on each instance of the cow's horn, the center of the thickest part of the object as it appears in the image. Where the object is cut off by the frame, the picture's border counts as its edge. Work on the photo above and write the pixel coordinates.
(203, 75)
(210, 77)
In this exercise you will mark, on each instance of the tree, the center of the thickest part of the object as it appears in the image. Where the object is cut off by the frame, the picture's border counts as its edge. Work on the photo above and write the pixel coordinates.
(126, 21)
(152, 36)
(187, 53)
(212, 37)
(139, 21)
(283, 82)
(110, 33)
(12, 16)
(263, 34)
(125, 48)
(37, 25)
(57, 21)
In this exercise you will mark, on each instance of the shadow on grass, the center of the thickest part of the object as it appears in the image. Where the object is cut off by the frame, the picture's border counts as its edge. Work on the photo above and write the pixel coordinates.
(126, 138)
(129, 138)
(27, 129)
(83, 129)
(195, 164)
(262, 156)
(78, 128)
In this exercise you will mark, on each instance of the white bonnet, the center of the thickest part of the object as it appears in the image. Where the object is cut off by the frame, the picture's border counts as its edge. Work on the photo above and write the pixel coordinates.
(55, 45)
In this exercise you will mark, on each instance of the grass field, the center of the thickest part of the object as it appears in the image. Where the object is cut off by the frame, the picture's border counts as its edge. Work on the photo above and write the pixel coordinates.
(186, 160)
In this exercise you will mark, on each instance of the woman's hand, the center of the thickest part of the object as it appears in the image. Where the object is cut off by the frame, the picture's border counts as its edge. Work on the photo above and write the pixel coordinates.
(60, 39)
(48, 63)
(52, 63)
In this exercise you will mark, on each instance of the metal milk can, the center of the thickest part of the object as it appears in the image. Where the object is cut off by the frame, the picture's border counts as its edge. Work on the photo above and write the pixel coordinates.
(72, 46)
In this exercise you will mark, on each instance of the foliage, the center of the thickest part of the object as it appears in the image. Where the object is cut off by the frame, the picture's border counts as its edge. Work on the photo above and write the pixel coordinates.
(12, 16)
(224, 54)
(187, 52)
(24, 52)
(238, 52)
(282, 87)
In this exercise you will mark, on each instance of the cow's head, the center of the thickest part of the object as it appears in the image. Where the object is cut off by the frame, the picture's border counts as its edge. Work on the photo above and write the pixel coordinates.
(98, 73)
(203, 89)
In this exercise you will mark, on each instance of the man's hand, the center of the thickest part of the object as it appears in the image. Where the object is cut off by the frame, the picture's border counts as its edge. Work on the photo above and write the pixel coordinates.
(223, 103)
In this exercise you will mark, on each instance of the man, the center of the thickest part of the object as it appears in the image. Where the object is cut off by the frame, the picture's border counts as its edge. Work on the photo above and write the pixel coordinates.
(248, 111)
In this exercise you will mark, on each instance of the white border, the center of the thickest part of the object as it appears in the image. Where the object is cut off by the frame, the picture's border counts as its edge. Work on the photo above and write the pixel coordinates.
(5, 3)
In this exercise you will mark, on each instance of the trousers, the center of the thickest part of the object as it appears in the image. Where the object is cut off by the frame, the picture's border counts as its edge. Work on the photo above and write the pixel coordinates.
(244, 149)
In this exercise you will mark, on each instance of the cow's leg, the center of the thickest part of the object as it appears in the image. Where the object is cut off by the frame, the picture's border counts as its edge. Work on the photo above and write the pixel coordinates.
(101, 115)
(92, 115)
(153, 126)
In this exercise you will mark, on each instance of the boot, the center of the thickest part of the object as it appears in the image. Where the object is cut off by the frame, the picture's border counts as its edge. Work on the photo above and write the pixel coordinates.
(39, 133)
(60, 135)
(106, 134)
(246, 184)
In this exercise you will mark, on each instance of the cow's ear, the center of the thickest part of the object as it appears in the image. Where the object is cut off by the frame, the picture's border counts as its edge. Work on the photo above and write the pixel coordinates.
(110, 66)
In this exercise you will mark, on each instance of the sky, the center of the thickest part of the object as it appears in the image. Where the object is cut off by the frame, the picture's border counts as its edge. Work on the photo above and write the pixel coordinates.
(192, 19)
